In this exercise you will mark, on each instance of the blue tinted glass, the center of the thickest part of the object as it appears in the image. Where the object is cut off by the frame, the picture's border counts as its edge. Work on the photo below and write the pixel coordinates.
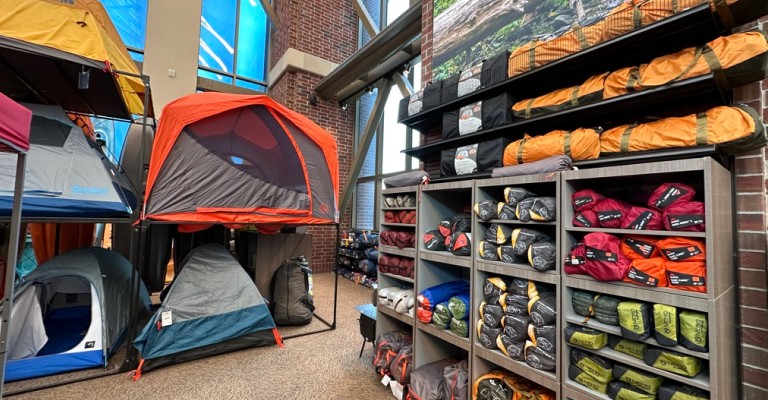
(130, 19)
(217, 34)
(251, 85)
(136, 56)
(113, 134)
(214, 76)
(252, 40)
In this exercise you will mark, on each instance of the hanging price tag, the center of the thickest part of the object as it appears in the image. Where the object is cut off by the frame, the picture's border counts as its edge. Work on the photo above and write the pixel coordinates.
(166, 318)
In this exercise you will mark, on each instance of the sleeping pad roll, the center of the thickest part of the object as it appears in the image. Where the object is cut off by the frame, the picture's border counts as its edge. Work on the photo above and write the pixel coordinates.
(460, 327)
(459, 306)
(441, 316)
(635, 320)
(599, 368)
(645, 381)
(588, 380)
(622, 391)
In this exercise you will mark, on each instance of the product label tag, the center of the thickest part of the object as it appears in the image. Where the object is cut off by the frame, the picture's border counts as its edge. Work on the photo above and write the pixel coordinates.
(641, 277)
(583, 220)
(385, 380)
(669, 196)
(466, 160)
(685, 220)
(582, 201)
(575, 260)
(608, 215)
(469, 80)
(641, 222)
(166, 318)
(681, 279)
(471, 118)
(600, 255)
(645, 249)
(682, 253)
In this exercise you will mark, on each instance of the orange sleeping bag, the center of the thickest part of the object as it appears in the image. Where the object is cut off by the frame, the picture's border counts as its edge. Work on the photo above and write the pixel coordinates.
(741, 57)
(537, 53)
(736, 129)
(561, 99)
(580, 144)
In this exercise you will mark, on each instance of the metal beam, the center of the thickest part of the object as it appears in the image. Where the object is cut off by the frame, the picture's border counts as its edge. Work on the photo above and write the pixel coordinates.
(270, 12)
(365, 142)
(365, 18)
(403, 84)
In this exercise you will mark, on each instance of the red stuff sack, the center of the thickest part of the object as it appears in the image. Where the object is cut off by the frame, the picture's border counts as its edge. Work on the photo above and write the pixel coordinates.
(409, 218)
(585, 199)
(639, 247)
(682, 249)
(611, 212)
(384, 263)
(389, 217)
(605, 262)
(641, 218)
(586, 219)
(404, 239)
(670, 194)
(650, 272)
(691, 276)
(685, 217)
(387, 238)
(576, 262)
(401, 215)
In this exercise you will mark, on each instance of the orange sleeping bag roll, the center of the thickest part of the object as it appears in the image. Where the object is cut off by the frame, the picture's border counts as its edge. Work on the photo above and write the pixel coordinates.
(537, 53)
(634, 14)
(562, 99)
(742, 58)
(580, 144)
(736, 129)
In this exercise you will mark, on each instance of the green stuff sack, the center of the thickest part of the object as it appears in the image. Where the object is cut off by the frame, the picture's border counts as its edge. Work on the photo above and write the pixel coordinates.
(518, 286)
(582, 303)
(459, 306)
(544, 337)
(665, 325)
(486, 210)
(635, 320)
(628, 347)
(543, 309)
(441, 316)
(693, 331)
(498, 234)
(505, 211)
(493, 288)
(513, 349)
(507, 255)
(488, 251)
(677, 391)
(459, 327)
(587, 380)
(673, 361)
(622, 391)
(487, 335)
(599, 368)
(516, 327)
(642, 380)
(514, 195)
(514, 304)
(491, 314)
(585, 337)
(538, 358)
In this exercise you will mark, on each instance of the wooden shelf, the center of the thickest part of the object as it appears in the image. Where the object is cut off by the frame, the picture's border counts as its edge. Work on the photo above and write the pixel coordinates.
(398, 277)
(638, 232)
(445, 335)
(518, 271)
(400, 190)
(701, 380)
(407, 252)
(517, 222)
(673, 297)
(398, 208)
(446, 257)
(396, 224)
(615, 330)
(543, 378)
(405, 318)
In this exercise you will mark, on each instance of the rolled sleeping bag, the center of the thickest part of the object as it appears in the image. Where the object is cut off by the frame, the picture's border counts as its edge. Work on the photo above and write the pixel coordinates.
(405, 200)
(493, 288)
(543, 309)
(461, 244)
(666, 326)
(685, 217)
(599, 368)
(401, 365)
(651, 272)
(604, 260)
(693, 330)
(446, 227)
(460, 327)
(507, 255)
(441, 316)
(516, 327)
(635, 320)
(491, 314)
(536, 289)
(586, 380)
(628, 347)
(514, 349)
(522, 238)
(498, 234)
(523, 209)
(678, 391)
(461, 223)
(682, 249)
(544, 337)
(544, 209)
(459, 306)
(690, 276)
(670, 194)
(586, 219)
(396, 294)
(505, 211)
(542, 256)
(621, 391)
(486, 210)
(518, 286)
(437, 294)
(403, 301)
(585, 199)
(382, 294)
(672, 361)
(585, 337)
(514, 195)
(576, 261)
(639, 247)
(390, 201)
(645, 381)
(611, 212)
(372, 253)
(514, 304)
(539, 358)
(487, 335)
(641, 218)
(488, 251)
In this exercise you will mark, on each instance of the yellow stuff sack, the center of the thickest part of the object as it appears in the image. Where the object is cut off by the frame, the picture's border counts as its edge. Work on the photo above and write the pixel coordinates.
(562, 99)
(736, 129)
(580, 144)
(537, 53)
(741, 58)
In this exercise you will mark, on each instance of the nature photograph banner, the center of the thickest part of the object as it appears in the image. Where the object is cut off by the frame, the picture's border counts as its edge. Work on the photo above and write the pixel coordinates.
(466, 32)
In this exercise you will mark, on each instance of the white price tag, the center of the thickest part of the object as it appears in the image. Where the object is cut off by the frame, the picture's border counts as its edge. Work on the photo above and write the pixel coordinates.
(385, 380)
(166, 318)
(397, 389)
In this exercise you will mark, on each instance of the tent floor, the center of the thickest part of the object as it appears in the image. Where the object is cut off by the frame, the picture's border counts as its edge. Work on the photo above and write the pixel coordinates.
(65, 327)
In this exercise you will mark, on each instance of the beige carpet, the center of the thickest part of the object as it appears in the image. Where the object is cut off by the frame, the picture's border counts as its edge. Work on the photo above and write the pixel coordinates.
(320, 366)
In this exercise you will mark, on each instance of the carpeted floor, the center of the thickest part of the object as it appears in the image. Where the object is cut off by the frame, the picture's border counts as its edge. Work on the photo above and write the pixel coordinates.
(320, 366)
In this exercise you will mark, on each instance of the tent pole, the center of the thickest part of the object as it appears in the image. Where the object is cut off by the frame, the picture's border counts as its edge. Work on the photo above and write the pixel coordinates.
(10, 264)
(336, 276)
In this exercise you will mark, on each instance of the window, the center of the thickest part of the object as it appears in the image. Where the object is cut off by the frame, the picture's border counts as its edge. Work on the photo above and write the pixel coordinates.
(233, 43)
(130, 20)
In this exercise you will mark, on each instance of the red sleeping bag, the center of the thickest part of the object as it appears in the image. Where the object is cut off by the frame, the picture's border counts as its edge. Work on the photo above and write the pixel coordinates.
(404, 239)
(669, 194)
(585, 199)
(576, 262)
(408, 217)
(639, 247)
(605, 261)
(685, 217)
(586, 219)
(611, 212)
(390, 217)
(641, 218)
(387, 238)
(384, 262)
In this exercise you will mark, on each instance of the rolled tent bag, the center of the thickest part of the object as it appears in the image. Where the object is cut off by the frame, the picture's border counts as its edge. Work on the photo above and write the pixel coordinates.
(690, 276)
(685, 217)
(735, 129)
(639, 247)
(651, 272)
(665, 325)
(514, 349)
(543, 309)
(461, 244)
(544, 337)
(669, 194)
(539, 358)
(611, 213)
(622, 391)
(586, 219)
(535, 54)
(387, 345)
(579, 144)
(459, 327)
(576, 374)
(635, 320)
(585, 337)
(491, 386)
(455, 383)
(628, 347)
(488, 251)
(562, 99)
(441, 316)
(549, 164)
(641, 218)
(481, 115)
(401, 366)
(516, 327)
(576, 261)
(505, 211)
(645, 381)
(682, 249)
(493, 288)
(406, 179)
(672, 361)
(478, 157)
(427, 379)
(498, 234)
(585, 199)
(542, 256)
(459, 306)
(514, 195)
(486, 210)
(487, 335)
(693, 331)
(599, 368)
(544, 209)
(604, 260)
(678, 391)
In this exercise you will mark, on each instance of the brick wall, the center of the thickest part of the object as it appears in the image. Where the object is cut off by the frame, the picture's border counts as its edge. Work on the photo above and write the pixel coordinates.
(327, 29)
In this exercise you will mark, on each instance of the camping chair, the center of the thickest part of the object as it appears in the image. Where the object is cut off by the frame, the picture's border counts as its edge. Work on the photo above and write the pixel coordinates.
(367, 324)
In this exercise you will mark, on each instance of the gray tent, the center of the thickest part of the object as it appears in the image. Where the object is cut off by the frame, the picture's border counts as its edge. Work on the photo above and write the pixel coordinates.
(70, 313)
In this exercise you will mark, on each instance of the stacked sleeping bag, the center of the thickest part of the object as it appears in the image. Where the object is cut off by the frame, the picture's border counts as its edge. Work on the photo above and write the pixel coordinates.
(403, 266)
(401, 299)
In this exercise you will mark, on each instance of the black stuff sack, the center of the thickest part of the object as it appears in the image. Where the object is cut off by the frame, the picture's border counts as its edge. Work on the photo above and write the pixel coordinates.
(488, 251)
(514, 304)
(486, 210)
(434, 240)
(505, 211)
(585, 337)
(544, 337)
(516, 327)
(622, 391)
(514, 195)
(493, 288)
(523, 209)
(487, 335)
(543, 309)
(507, 255)
(628, 347)
(498, 234)
(635, 320)
(666, 326)
(461, 244)
(539, 358)
(536, 289)
(693, 331)
(522, 238)
(470, 159)
(645, 381)
(491, 314)
(599, 368)
(514, 349)
(542, 256)
(544, 209)
(518, 286)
